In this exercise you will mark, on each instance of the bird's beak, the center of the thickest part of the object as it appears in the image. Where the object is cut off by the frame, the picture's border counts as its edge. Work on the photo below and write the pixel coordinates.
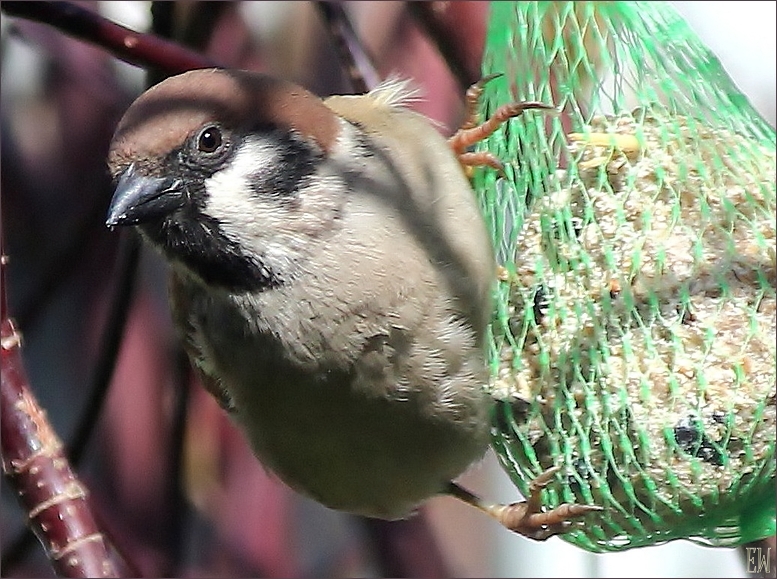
(139, 198)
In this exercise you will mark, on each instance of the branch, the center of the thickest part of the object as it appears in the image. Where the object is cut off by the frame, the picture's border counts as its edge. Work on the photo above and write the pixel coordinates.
(102, 373)
(145, 50)
(110, 342)
(36, 468)
(352, 53)
(457, 35)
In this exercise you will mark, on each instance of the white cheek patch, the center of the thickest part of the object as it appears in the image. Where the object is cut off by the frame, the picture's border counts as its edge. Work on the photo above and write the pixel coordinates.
(230, 190)
(272, 227)
(239, 210)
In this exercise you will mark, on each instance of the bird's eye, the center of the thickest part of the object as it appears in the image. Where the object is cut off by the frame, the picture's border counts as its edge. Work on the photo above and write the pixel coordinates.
(209, 140)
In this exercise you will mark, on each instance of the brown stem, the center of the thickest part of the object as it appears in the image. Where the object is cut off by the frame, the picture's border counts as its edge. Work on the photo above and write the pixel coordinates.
(201, 20)
(36, 468)
(133, 47)
(352, 53)
(125, 278)
(458, 29)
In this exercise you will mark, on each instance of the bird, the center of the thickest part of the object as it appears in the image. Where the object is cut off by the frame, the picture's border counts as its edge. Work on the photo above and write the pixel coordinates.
(330, 278)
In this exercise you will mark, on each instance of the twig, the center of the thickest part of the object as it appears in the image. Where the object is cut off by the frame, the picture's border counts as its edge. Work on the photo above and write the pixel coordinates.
(144, 50)
(57, 268)
(35, 466)
(162, 19)
(162, 25)
(352, 53)
(101, 375)
(444, 24)
(37, 469)
(110, 341)
(203, 16)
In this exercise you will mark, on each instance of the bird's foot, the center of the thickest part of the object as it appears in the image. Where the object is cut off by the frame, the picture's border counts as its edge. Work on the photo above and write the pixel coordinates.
(472, 132)
(527, 517)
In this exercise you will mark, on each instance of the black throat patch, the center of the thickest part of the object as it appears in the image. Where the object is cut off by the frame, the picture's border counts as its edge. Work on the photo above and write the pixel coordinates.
(197, 239)
(198, 242)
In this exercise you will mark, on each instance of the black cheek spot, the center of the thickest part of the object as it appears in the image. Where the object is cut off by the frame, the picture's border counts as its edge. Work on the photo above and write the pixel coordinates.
(297, 162)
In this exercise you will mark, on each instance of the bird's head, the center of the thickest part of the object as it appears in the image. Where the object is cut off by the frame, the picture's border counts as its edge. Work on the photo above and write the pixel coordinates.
(224, 171)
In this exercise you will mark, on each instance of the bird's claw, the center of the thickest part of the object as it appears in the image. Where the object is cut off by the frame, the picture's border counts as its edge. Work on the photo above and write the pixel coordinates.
(471, 132)
(528, 519)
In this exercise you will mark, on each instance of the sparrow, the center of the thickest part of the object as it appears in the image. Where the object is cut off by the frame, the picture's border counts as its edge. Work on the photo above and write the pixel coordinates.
(331, 279)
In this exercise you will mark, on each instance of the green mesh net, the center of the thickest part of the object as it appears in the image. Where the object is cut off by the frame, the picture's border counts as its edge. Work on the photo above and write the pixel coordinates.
(634, 339)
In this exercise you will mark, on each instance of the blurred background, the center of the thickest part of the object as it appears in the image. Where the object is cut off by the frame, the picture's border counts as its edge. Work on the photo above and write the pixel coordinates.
(61, 99)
